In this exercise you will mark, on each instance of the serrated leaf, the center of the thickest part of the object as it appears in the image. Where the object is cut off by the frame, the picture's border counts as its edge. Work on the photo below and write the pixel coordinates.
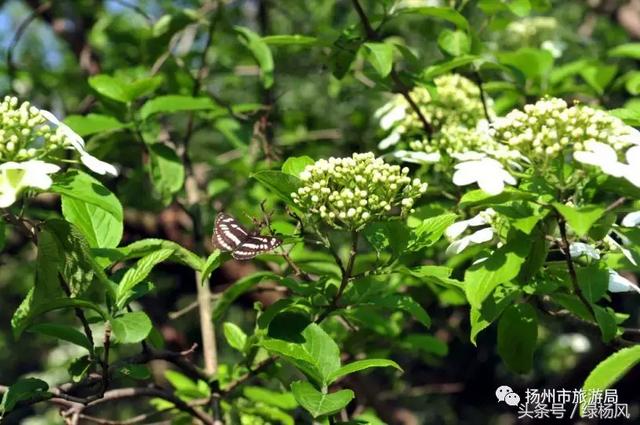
(429, 231)
(101, 228)
(138, 273)
(455, 43)
(611, 370)
(580, 218)
(78, 185)
(145, 247)
(282, 185)
(502, 266)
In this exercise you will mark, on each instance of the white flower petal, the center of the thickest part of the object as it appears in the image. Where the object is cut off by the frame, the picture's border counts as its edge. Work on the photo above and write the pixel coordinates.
(389, 141)
(458, 246)
(578, 249)
(602, 156)
(97, 166)
(456, 229)
(631, 219)
(17, 176)
(633, 156)
(491, 185)
(465, 176)
(417, 157)
(481, 236)
(617, 283)
(394, 115)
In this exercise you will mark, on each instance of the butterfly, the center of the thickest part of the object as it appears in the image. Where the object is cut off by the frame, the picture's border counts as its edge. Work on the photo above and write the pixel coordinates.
(229, 235)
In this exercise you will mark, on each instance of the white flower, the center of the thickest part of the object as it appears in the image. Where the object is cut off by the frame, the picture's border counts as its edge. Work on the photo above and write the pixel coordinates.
(602, 156)
(417, 157)
(631, 219)
(617, 283)
(481, 236)
(17, 176)
(632, 170)
(77, 143)
(578, 249)
(487, 172)
(454, 231)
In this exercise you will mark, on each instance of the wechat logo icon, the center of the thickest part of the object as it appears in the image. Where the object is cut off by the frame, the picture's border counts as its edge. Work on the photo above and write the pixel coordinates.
(505, 393)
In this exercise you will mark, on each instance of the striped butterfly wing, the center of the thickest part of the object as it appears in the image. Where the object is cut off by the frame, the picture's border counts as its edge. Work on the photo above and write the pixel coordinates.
(228, 234)
(254, 245)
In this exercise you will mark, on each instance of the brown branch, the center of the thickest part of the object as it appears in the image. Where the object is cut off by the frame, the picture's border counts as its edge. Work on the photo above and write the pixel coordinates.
(566, 249)
(372, 35)
(483, 96)
(615, 204)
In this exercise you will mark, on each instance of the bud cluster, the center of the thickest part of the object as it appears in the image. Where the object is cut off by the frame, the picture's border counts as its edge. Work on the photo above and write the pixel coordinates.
(24, 132)
(347, 193)
(550, 126)
(531, 31)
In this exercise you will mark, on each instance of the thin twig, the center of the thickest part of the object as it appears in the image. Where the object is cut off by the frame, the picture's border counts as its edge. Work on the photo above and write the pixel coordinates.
(615, 204)
(483, 96)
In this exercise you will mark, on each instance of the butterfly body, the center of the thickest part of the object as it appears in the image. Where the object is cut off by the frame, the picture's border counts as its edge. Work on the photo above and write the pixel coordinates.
(231, 236)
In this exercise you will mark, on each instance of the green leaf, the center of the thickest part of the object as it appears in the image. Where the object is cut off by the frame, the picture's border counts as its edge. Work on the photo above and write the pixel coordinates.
(212, 263)
(170, 104)
(317, 354)
(138, 273)
(237, 289)
(598, 76)
(517, 336)
(23, 390)
(101, 228)
(145, 247)
(492, 307)
(283, 185)
(593, 281)
(260, 51)
(380, 56)
(319, 403)
(519, 8)
(109, 87)
(235, 336)
(30, 309)
(166, 169)
(288, 40)
(580, 218)
(284, 401)
(455, 43)
(294, 165)
(382, 235)
(606, 319)
(533, 63)
(406, 303)
(628, 50)
(78, 185)
(63, 332)
(446, 13)
(502, 266)
(430, 231)
(131, 328)
(611, 370)
(86, 125)
(359, 365)
(447, 65)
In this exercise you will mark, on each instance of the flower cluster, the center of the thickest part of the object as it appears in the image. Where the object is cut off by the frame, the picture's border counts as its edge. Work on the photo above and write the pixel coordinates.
(31, 138)
(458, 104)
(550, 128)
(349, 192)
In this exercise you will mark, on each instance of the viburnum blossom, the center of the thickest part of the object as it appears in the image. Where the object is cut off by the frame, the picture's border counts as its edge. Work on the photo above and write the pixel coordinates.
(349, 192)
(458, 104)
(484, 219)
(15, 177)
(489, 174)
(617, 283)
(550, 128)
(29, 133)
